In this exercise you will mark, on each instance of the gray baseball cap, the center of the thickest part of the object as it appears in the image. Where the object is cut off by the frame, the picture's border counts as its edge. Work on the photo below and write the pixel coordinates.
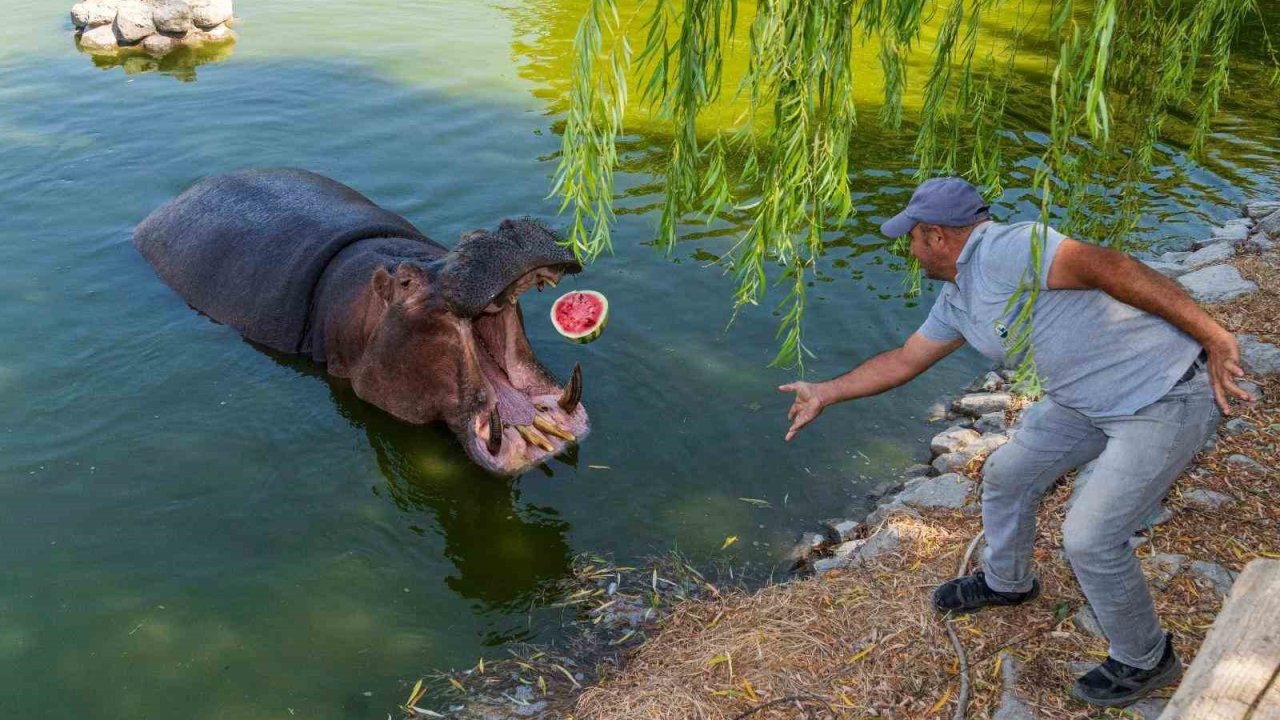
(949, 201)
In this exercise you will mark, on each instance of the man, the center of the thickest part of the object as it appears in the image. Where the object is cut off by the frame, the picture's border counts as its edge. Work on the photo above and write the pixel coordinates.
(1132, 368)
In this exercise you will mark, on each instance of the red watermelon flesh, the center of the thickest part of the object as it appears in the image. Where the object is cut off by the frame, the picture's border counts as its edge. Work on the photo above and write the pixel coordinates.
(580, 315)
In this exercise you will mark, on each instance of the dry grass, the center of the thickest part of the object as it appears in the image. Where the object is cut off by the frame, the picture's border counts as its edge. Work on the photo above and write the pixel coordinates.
(866, 642)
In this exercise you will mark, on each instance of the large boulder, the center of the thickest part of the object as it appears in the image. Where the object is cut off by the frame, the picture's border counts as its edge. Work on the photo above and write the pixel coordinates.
(93, 13)
(979, 404)
(99, 39)
(133, 21)
(1271, 225)
(158, 45)
(1171, 270)
(1258, 209)
(1212, 254)
(945, 492)
(172, 16)
(1218, 283)
(1257, 357)
(210, 13)
(953, 439)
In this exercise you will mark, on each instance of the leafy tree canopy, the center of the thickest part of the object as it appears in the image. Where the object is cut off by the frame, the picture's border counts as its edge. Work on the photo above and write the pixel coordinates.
(1116, 72)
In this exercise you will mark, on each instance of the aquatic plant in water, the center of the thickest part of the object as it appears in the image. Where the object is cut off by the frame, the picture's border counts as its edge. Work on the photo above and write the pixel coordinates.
(1120, 70)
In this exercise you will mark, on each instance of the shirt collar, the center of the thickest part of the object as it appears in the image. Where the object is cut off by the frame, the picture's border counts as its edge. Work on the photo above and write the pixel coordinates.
(972, 242)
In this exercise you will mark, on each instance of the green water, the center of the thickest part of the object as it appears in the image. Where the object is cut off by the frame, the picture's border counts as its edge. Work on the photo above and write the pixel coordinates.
(191, 527)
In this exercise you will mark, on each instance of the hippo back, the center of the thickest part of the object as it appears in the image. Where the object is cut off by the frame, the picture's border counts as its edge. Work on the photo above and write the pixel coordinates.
(248, 249)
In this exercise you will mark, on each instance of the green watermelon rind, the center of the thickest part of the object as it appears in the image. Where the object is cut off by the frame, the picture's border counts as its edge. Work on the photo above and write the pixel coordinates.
(594, 332)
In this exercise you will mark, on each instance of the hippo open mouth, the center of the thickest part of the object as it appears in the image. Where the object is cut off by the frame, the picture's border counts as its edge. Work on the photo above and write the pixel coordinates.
(535, 417)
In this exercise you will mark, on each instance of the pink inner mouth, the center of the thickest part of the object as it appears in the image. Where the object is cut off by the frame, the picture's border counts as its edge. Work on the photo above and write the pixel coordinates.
(534, 425)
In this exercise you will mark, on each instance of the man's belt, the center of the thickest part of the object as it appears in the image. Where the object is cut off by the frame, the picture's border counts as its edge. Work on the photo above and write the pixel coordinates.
(1196, 364)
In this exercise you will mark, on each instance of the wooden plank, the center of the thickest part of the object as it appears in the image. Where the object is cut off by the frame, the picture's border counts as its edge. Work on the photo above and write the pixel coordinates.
(1269, 706)
(1240, 657)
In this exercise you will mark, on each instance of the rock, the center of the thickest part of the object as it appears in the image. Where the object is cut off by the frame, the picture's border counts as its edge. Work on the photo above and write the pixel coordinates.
(917, 470)
(158, 45)
(1258, 209)
(979, 404)
(1174, 257)
(99, 39)
(1163, 567)
(939, 411)
(1262, 243)
(1218, 283)
(1246, 463)
(857, 551)
(893, 507)
(1214, 574)
(1011, 707)
(1211, 254)
(1252, 388)
(1257, 357)
(1159, 516)
(1087, 622)
(1237, 426)
(883, 542)
(945, 492)
(1232, 232)
(986, 444)
(808, 544)
(1148, 708)
(172, 16)
(992, 382)
(1138, 541)
(839, 530)
(219, 33)
(210, 13)
(951, 462)
(953, 439)
(1170, 270)
(991, 422)
(1270, 225)
(1202, 499)
(93, 13)
(133, 21)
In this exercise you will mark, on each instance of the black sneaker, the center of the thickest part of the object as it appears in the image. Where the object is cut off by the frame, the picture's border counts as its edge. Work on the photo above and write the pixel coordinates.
(1114, 684)
(969, 593)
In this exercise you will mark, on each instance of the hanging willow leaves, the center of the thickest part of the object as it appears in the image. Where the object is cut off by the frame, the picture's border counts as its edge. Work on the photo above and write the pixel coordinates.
(1121, 69)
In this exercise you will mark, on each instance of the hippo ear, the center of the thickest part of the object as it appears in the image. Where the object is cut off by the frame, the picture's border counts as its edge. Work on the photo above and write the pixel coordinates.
(383, 285)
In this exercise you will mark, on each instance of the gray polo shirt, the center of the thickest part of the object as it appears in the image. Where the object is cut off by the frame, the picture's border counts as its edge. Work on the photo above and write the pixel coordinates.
(1093, 353)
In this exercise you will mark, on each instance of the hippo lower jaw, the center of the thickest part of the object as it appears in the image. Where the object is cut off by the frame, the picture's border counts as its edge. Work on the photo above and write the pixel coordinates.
(535, 417)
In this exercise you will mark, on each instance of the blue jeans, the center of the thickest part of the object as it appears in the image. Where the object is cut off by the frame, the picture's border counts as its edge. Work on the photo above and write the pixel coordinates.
(1138, 458)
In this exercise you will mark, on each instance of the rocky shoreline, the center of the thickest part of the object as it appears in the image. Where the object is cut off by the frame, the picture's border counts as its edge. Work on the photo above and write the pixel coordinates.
(151, 27)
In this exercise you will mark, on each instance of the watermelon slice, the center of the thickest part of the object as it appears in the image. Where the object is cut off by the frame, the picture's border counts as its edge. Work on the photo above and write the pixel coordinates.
(580, 315)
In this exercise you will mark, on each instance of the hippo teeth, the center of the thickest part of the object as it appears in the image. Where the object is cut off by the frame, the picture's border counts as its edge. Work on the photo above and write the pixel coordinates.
(551, 427)
(573, 391)
(533, 437)
(495, 432)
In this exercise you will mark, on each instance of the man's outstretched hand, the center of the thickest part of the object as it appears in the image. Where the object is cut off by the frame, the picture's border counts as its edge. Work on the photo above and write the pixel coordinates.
(1224, 370)
(807, 406)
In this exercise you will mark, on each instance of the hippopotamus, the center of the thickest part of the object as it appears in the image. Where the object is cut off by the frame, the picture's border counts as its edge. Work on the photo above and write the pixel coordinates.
(305, 265)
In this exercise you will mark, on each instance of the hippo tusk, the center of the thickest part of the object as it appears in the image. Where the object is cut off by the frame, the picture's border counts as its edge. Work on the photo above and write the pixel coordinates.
(573, 391)
(551, 427)
(495, 432)
(533, 437)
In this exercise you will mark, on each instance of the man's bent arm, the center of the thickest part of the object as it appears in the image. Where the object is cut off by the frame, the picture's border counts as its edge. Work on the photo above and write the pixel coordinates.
(887, 370)
(1080, 266)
